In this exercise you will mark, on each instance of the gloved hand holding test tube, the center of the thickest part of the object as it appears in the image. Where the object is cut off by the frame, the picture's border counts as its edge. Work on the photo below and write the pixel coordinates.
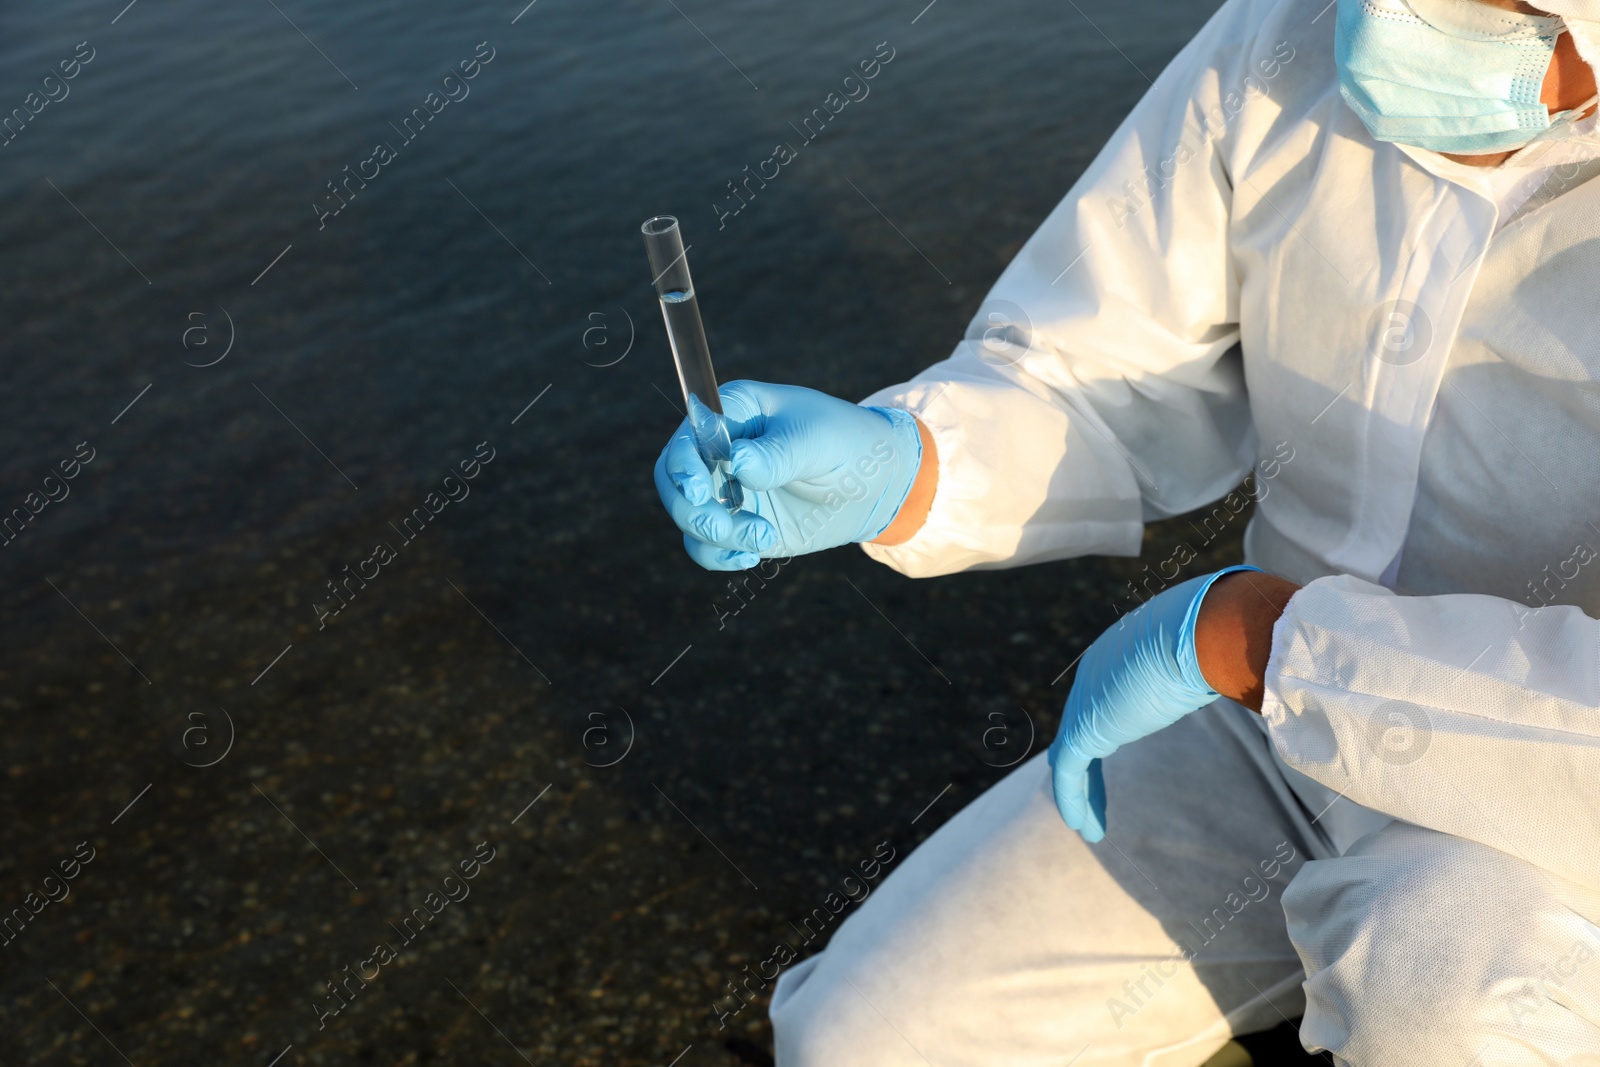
(669, 262)
(781, 469)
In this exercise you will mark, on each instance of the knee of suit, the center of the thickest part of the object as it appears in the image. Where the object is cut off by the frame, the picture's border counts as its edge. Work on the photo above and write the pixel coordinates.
(1420, 947)
(807, 1024)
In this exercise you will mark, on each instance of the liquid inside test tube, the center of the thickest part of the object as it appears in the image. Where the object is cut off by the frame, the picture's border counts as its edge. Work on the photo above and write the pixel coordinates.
(681, 311)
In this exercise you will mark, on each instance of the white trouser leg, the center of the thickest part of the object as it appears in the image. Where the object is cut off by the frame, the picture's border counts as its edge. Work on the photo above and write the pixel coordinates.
(1424, 949)
(1004, 939)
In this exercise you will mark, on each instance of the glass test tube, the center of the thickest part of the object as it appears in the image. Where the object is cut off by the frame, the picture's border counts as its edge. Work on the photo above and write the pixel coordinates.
(663, 240)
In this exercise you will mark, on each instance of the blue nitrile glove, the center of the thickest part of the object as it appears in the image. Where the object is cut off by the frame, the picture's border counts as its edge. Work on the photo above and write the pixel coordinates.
(1139, 676)
(817, 472)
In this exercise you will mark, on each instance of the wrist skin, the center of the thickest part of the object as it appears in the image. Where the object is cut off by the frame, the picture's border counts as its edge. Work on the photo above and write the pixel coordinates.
(1233, 633)
(914, 512)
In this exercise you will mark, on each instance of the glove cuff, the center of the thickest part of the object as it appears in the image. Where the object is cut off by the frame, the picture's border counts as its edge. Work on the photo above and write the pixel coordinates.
(1188, 659)
(903, 465)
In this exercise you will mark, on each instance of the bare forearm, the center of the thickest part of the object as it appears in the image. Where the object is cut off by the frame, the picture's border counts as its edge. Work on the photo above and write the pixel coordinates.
(1233, 633)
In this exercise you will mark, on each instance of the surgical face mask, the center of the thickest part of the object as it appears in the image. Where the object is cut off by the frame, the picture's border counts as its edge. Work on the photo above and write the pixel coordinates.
(1447, 75)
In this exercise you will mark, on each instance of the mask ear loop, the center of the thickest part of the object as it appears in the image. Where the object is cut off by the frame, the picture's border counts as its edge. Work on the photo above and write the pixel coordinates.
(1585, 36)
(1555, 137)
(1578, 113)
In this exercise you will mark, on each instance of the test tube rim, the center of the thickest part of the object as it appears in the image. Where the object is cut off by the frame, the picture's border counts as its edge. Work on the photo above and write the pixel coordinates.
(648, 232)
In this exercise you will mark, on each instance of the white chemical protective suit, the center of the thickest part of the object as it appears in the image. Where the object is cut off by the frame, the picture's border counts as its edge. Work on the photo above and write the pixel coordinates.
(1406, 352)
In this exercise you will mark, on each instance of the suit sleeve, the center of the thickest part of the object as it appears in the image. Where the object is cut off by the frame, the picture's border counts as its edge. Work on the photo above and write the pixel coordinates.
(1463, 713)
(1099, 385)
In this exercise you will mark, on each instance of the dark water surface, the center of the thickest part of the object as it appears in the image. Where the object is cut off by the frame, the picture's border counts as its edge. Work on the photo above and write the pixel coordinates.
(169, 604)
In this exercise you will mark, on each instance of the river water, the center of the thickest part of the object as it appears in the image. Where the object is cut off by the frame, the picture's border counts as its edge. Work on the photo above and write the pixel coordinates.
(271, 365)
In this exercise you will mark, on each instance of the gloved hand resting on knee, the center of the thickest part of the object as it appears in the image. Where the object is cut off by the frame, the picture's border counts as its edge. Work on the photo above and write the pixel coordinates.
(1139, 676)
(817, 472)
